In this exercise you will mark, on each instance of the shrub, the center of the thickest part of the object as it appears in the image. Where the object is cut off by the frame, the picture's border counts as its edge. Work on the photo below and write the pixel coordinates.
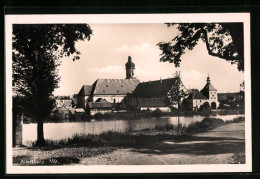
(157, 112)
(206, 123)
(98, 116)
(73, 117)
(56, 117)
(210, 122)
(193, 126)
(103, 116)
(238, 119)
(86, 117)
(107, 115)
(173, 108)
(165, 127)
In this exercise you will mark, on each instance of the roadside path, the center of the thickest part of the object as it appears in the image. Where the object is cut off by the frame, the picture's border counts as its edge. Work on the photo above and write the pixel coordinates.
(217, 146)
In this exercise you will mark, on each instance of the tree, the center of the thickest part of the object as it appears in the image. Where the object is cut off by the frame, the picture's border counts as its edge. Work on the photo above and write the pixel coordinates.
(37, 50)
(177, 94)
(223, 40)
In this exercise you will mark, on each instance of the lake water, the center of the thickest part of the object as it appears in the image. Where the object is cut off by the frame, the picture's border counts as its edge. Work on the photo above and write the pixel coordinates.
(57, 131)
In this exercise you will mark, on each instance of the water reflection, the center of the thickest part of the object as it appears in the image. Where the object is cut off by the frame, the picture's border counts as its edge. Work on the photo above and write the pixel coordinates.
(57, 131)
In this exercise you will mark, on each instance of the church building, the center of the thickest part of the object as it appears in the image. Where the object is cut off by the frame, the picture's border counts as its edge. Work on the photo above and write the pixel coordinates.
(111, 91)
(106, 95)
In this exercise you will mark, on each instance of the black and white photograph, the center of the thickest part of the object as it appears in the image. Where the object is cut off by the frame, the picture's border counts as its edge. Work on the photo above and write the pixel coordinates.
(128, 93)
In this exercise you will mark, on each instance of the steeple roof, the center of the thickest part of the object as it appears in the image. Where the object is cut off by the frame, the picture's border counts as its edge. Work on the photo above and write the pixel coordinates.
(208, 87)
(129, 64)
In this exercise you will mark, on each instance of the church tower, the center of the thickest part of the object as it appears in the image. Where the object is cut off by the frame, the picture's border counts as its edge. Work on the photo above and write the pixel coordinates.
(129, 67)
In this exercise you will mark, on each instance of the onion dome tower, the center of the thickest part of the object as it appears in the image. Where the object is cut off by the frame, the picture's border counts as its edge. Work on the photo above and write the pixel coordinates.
(129, 67)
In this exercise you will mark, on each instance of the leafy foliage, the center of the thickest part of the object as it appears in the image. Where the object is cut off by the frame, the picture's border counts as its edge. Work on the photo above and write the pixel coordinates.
(178, 91)
(36, 53)
(223, 40)
(177, 94)
(37, 49)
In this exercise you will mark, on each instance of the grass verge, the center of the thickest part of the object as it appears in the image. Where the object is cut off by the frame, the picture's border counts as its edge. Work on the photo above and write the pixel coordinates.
(129, 137)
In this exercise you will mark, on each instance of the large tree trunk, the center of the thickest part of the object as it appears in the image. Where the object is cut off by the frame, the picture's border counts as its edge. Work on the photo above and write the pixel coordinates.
(40, 135)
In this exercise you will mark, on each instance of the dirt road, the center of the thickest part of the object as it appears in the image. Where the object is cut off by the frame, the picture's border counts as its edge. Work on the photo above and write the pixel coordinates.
(222, 145)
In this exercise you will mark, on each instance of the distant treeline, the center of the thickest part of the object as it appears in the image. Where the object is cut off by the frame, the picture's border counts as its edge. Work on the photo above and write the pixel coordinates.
(141, 114)
(231, 100)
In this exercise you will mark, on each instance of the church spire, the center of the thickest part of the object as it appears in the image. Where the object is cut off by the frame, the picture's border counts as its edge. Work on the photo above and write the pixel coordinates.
(208, 79)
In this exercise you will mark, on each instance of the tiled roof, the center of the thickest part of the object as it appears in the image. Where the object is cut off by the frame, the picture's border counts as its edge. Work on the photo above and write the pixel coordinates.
(153, 89)
(196, 95)
(79, 110)
(101, 100)
(74, 101)
(153, 102)
(209, 87)
(114, 86)
(85, 90)
(97, 105)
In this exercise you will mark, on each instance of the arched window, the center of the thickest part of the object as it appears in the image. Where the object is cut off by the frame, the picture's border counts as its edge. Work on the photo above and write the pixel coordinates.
(213, 105)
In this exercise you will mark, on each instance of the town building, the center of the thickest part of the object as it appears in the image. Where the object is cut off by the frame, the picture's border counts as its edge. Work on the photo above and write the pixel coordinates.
(83, 96)
(74, 100)
(113, 91)
(63, 107)
(99, 106)
(151, 95)
(106, 95)
(205, 99)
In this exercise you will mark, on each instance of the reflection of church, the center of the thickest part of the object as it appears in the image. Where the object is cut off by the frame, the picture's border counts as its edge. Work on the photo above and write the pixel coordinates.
(206, 98)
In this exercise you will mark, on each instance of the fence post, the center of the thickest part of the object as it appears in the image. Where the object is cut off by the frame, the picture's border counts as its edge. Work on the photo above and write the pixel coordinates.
(18, 130)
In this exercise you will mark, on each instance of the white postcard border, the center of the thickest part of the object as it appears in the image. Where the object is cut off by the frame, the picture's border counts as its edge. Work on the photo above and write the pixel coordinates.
(128, 18)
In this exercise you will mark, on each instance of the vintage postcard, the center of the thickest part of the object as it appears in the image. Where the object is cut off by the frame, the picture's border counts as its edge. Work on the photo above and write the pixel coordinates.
(128, 93)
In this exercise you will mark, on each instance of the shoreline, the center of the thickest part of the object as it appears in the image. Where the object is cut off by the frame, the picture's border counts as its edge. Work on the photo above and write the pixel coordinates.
(155, 142)
(141, 114)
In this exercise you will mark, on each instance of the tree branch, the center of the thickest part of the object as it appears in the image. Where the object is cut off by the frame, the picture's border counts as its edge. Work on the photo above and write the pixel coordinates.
(215, 54)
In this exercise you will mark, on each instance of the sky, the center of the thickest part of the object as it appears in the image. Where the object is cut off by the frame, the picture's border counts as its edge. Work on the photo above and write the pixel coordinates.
(105, 55)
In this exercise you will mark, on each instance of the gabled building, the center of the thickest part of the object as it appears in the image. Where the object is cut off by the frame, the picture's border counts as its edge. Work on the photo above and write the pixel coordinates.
(151, 95)
(83, 96)
(129, 93)
(206, 98)
(100, 106)
(74, 100)
(112, 91)
(195, 100)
